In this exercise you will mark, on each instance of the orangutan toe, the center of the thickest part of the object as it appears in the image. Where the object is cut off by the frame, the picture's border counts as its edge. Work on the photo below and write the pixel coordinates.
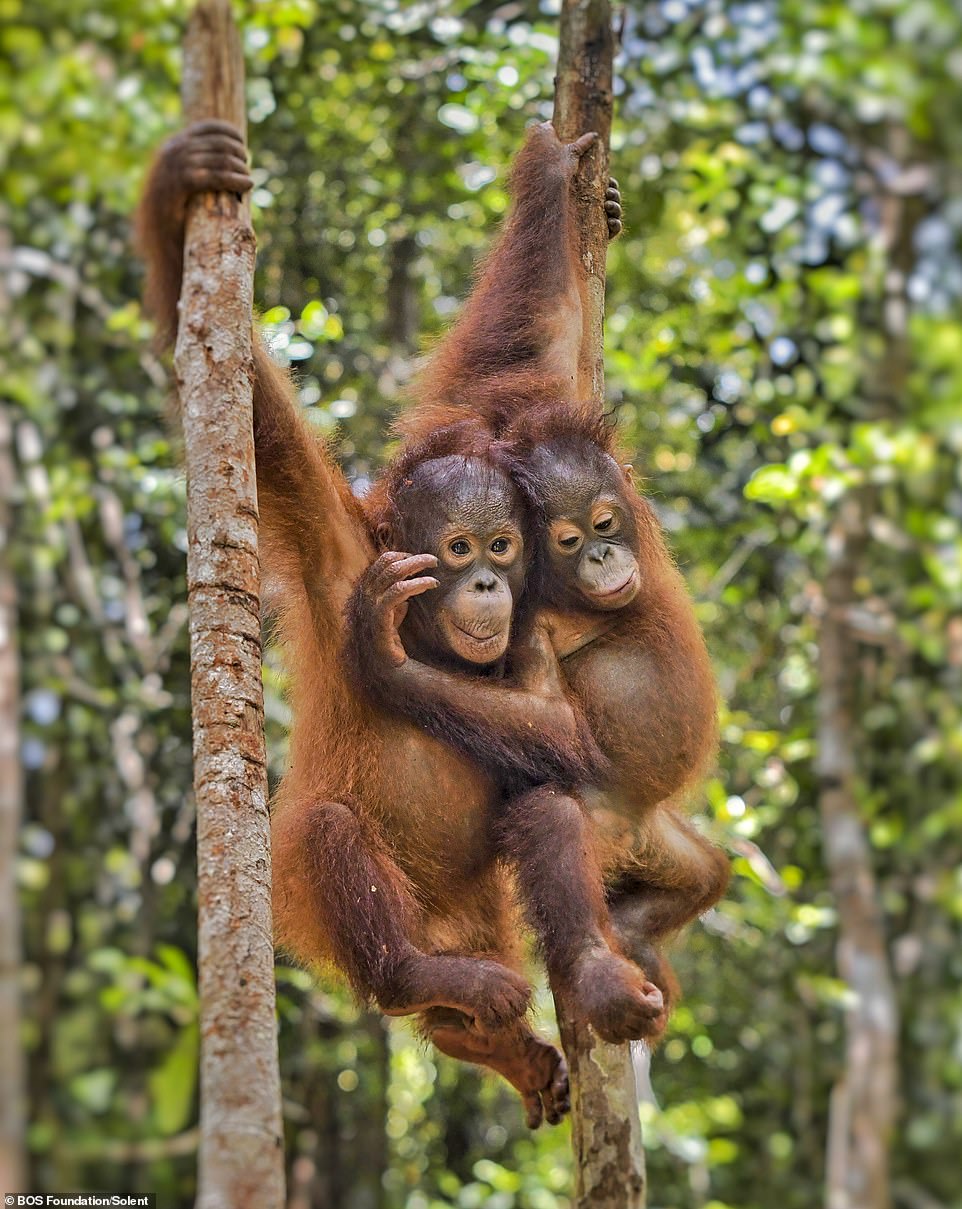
(556, 1097)
(544, 1085)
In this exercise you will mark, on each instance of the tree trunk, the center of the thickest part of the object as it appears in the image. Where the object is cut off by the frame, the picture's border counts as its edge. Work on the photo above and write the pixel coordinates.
(605, 1124)
(864, 1102)
(12, 1094)
(241, 1149)
(862, 1106)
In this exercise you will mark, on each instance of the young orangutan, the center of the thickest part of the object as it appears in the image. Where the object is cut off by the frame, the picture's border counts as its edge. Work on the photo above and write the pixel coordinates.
(622, 624)
(382, 849)
(635, 662)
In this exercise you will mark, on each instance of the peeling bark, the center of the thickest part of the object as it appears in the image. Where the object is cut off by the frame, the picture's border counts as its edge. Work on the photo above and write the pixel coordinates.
(12, 1092)
(605, 1124)
(241, 1149)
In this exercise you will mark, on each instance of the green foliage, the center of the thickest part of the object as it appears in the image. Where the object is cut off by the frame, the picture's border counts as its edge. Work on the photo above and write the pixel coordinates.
(756, 145)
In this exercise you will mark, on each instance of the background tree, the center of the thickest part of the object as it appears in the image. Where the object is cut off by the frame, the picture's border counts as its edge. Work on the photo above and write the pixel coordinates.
(12, 1106)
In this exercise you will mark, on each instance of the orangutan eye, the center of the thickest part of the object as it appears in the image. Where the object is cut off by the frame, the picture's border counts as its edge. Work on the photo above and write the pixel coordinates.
(567, 535)
(460, 548)
(604, 523)
(500, 545)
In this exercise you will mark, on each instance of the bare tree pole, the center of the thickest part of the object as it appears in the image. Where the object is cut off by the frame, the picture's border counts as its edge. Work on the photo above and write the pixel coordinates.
(241, 1148)
(583, 101)
(605, 1124)
(12, 1092)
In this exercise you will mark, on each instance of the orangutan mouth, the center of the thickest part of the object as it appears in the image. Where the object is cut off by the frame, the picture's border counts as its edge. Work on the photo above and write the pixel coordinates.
(480, 639)
(622, 587)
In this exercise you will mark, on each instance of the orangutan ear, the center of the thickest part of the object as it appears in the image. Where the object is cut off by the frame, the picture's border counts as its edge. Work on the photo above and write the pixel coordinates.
(629, 472)
(382, 536)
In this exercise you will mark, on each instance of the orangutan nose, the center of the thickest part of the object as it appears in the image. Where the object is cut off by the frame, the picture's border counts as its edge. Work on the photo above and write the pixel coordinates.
(486, 581)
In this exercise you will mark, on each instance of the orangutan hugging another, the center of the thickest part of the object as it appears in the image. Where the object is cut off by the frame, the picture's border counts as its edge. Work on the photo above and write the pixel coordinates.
(493, 661)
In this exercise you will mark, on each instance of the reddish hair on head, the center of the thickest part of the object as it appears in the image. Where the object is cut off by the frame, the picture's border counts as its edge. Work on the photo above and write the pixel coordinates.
(466, 439)
(552, 423)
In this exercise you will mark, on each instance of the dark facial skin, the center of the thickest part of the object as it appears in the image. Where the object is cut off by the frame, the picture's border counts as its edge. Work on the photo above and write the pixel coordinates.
(591, 540)
(465, 515)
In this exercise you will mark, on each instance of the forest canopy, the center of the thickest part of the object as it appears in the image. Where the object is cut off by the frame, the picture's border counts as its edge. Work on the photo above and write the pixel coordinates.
(783, 336)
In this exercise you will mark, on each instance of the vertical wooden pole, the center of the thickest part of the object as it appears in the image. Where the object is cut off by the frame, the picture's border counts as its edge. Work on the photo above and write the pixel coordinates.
(605, 1124)
(583, 101)
(241, 1151)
